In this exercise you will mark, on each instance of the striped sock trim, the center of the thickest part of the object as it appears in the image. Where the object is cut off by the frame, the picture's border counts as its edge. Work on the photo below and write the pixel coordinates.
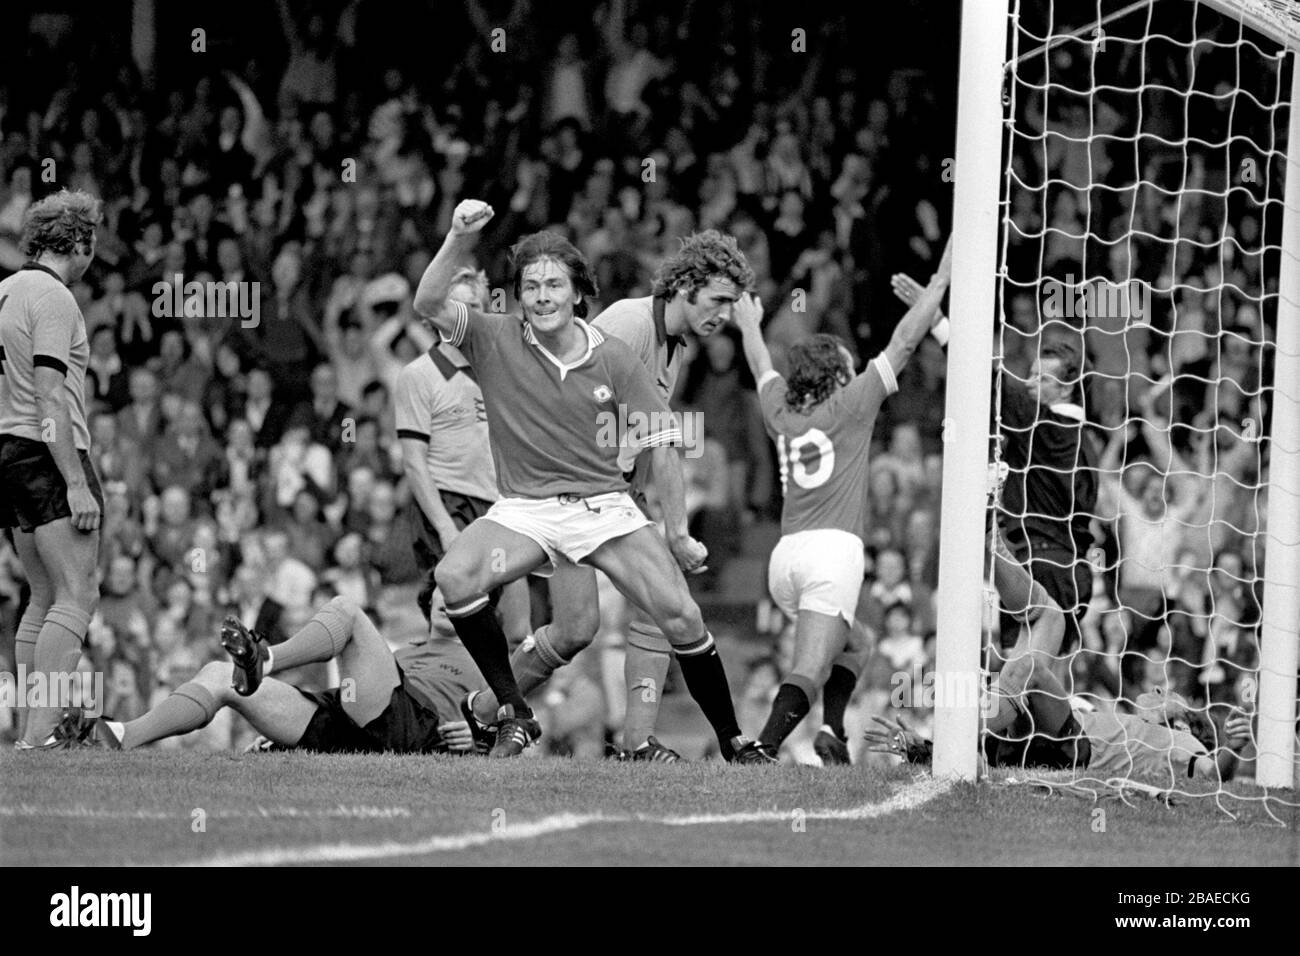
(702, 646)
(200, 696)
(29, 628)
(545, 649)
(466, 608)
(71, 618)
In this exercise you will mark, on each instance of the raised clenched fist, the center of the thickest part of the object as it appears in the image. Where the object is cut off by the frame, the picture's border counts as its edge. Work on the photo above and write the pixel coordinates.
(470, 216)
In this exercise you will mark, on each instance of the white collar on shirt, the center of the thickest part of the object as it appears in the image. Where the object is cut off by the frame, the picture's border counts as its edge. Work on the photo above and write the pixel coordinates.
(594, 338)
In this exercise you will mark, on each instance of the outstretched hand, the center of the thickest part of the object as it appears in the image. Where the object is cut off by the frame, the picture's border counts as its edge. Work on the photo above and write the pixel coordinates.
(898, 739)
(906, 289)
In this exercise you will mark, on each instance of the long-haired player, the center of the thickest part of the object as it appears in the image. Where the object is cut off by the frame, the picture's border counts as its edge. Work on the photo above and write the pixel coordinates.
(821, 418)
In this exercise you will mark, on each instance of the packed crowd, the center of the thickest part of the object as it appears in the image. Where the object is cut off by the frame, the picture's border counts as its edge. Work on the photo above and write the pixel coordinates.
(256, 466)
(1177, 382)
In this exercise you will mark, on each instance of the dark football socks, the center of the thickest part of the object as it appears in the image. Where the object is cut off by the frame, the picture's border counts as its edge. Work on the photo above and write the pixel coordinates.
(790, 707)
(835, 698)
(706, 679)
(481, 633)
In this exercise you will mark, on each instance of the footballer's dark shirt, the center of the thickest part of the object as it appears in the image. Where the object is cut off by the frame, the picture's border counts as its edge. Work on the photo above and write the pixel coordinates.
(561, 427)
(824, 452)
(1050, 494)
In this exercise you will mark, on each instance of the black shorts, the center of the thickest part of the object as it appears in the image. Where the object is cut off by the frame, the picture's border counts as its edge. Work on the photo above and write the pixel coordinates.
(32, 489)
(405, 726)
(429, 549)
(1068, 581)
(428, 546)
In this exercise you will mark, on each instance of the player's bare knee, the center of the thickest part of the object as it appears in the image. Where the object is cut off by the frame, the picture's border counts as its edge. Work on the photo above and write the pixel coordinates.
(576, 632)
(83, 593)
(456, 579)
(215, 677)
(682, 622)
(346, 606)
(568, 643)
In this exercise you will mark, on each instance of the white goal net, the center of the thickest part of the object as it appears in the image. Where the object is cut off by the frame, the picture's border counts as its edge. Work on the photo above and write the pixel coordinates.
(1141, 276)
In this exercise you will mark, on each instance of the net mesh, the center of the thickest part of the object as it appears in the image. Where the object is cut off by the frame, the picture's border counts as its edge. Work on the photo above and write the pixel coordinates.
(1145, 151)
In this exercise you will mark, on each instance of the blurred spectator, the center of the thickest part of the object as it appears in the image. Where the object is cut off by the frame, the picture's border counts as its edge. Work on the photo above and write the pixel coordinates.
(141, 421)
(106, 376)
(323, 416)
(825, 168)
(187, 456)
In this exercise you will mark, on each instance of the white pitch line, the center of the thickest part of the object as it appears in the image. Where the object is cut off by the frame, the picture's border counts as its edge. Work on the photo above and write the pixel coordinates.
(906, 798)
(349, 853)
(79, 812)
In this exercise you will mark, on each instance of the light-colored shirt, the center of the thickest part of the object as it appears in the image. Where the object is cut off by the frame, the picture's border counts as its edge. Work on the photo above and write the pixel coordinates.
(438, 401)
(41, 324)
(1129, 747)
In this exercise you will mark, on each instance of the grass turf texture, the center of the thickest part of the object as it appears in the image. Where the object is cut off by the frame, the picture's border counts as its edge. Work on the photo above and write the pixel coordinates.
(138, 808)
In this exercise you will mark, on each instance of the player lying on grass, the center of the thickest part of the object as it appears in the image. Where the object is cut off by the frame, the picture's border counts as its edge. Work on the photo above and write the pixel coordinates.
(568, 411)
(408, 702)
(1034, 725)
(821, 420)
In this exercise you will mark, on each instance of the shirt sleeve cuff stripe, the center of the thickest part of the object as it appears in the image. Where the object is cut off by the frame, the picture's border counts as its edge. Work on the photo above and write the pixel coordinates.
(412, 433)
(49, 361)
(671, 436)
(462, 325)
(886, 372)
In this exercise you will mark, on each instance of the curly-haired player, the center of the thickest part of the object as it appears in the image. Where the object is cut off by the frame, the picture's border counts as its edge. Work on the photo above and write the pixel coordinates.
(822, 417)
(49, 493)
(694, 291)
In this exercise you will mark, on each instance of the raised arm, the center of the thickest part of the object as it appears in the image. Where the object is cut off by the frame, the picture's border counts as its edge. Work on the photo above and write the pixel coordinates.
(907, 290)
(747, 313)
(919, 318)
(469, 218)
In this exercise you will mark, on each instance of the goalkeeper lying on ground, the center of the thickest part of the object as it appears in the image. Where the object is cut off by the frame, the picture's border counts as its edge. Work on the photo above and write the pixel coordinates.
(414, 701)
(1034, 724)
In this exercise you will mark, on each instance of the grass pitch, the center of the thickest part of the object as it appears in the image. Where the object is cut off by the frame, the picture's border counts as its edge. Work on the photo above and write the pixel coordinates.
(99, 808)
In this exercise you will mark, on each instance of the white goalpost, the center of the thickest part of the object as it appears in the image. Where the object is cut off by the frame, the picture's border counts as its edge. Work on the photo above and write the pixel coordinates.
(1280, 631)
(961, 609)
(1121, 166)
